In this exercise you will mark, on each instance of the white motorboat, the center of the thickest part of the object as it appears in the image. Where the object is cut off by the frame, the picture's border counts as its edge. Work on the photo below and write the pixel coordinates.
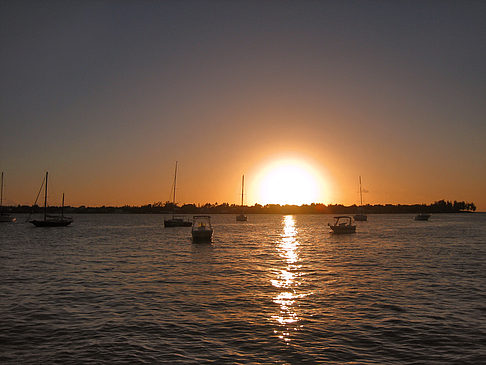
(202, 230)
(343, 224)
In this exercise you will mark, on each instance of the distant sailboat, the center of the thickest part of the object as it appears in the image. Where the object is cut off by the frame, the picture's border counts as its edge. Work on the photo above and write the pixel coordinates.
(52, 220)
(360, 216)
(241, 217)
(4, 216)
(176, 220)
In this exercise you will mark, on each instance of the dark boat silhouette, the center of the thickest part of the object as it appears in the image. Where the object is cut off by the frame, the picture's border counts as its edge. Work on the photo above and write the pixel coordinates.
(422, 217)
(343, 224)
(202, 230)
(176, 220)
(52, 220)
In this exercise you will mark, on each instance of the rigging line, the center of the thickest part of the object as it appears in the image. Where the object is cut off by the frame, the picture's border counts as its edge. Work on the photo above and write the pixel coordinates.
(172, 198)
(37, 198)
(171, 194)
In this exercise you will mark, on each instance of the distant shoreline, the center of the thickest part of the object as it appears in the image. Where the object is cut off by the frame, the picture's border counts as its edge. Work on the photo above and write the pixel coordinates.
(225, 208)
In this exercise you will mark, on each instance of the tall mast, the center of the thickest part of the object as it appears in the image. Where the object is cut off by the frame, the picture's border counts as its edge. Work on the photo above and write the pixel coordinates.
(242, 188)
(62, 207)
(175, 181)
(360, 192)
(45, 199)
(1, 193)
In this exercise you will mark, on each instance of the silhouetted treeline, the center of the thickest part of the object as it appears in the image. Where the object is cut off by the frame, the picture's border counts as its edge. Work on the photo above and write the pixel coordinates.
(441, 206)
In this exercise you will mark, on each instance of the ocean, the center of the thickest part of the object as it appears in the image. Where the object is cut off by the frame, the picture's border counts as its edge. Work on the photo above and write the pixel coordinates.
(275, 290)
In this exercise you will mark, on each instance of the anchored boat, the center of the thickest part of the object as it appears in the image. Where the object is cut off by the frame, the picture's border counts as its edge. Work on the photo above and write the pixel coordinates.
(202, 230)
(343, 224)
(361, 217)
(422, 217)
(176, 220)
(52, 220)
(241, 217)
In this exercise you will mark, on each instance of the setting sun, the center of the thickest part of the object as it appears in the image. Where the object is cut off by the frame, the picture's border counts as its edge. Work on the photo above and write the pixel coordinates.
(289, 181)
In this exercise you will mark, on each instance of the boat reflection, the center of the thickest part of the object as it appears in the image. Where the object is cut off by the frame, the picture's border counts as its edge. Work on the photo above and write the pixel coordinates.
(287, 281)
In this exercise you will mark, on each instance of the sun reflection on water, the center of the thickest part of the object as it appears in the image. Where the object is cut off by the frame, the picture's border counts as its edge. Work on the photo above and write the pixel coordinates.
(287, 281)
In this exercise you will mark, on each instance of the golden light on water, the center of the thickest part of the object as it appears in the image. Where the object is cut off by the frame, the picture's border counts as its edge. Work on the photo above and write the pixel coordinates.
(286, 300)
(287, 280)
(290, 181)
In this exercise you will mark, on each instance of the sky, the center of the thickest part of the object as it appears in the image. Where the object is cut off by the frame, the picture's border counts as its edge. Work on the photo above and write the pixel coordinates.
(107, 95)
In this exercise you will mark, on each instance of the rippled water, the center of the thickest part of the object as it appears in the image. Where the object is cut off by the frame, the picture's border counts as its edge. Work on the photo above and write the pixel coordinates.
(277, 289)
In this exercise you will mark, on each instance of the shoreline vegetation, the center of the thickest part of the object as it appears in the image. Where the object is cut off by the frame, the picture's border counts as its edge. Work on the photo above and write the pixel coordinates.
(441, 206)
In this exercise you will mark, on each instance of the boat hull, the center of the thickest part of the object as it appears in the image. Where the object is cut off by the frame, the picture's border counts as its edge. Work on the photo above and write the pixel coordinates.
(361, 217)
(342, 225)
(422, 217)
(241, 218)
(52, 223)
(202, 236)
(343, 229)
(176, 223)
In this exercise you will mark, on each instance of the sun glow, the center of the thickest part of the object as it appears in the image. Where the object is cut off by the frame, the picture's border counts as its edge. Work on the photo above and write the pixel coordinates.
(289, 181)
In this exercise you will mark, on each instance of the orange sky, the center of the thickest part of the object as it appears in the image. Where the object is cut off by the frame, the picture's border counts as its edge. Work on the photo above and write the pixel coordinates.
(107, 97)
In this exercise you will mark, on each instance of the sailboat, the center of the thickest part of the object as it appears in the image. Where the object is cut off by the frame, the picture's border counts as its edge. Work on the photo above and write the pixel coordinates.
(4, 216)
(241, 217)
(52, 220)
(360, 216)
(176, 220)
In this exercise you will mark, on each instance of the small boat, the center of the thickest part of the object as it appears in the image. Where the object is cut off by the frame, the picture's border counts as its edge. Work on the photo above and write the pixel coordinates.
(241, 217)
(176, 220)
(343, 224)
(4, 216)
(202, 230)
(422, 217)
(360, 217)
(52, 220)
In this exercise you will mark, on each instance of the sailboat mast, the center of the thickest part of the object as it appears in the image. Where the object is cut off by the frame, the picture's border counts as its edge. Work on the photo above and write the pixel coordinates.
(242, 188)
(175, 182)
(45, 199)
(360, 192)
(1, 193)
(62, 207)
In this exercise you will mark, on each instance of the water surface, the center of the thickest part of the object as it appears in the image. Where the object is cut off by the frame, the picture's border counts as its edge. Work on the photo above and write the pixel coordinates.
(275, 289)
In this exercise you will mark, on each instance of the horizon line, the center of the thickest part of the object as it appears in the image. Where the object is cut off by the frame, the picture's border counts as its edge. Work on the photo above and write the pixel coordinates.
(216, 204)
